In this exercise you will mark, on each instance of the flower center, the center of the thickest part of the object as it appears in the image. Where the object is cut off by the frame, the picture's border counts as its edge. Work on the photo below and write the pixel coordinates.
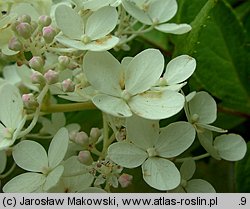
(85, 39)
(8, 133)
(195, 118)
(151, 152)
(126, 95)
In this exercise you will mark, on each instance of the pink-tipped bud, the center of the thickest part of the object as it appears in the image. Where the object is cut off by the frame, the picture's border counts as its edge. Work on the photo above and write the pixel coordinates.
(64, 61)
(14, 25)
(85, 157)
(36, 63)
(95, 133)
(24, 18)
(125, 180)
(29, 101)
(68, 85)
(44, 20)
(24, 30)
(15, 44)
(82, 139)
(37, 78)
(51, 76)
(49, 34)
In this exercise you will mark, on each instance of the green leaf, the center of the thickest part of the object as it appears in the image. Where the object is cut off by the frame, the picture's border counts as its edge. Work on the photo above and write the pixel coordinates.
(175, 139)
(24, 183)
(243, 172)
(69, 22)
(30, 156)
(231, 147)
(126, 154)
(160, 173)
(199, 186)
(53, 178)
(187, 169)
(58, 147)
(142, 132)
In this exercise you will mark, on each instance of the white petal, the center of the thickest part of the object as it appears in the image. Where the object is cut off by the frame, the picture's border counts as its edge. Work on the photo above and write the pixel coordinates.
(174, 28)
(103, 72)
(199, 186)
(211, 128)
(204, 106)
(231, 147)
(157, 105)
(160, 174)
(179, 69)
(101, 23)
(24, 183)
(112, 105)
(126, 154)
(30, 156)
(187, 169)
(136, 12)
(162, 10)
(143, 71)
(58, 147)
(11, 111)
(3, 160)
(103, 44)
(53, 178)
(69, 22)
(175, 139)
(75, 44)
(142, 132)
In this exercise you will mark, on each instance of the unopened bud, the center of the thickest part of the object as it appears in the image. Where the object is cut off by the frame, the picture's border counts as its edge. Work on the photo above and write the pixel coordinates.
(24, 30)
(72, 135)
(82, 139)
(49, 34)
(64, 61)
(68, 85)
(29, 101)
(36, 63)
(95, 133)
(44, 20)
(85, 157)
(24, 18)
(51, 76)
(15, 44)
(14, 25)
(37, 78)
(125, 180)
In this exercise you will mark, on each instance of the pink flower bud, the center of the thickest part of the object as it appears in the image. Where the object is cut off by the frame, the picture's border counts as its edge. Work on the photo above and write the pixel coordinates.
(64, 61)
(125, 180)
(24, 18)
(95, 133)
(36, 63)
(29, 101)
(51, 76)
(82, 139)
(85, 157)
(44, 20)
(37, 78)
(68, 85)
(24, 30)
(48, 34)
(15, 44)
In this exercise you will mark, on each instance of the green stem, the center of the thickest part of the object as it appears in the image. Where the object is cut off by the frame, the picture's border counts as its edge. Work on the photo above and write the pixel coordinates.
(105, 136)
(67, 107)
(199, 157)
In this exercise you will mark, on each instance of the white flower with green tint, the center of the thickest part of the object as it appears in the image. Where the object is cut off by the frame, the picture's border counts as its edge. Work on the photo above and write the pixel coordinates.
(177, 71)
(156, 12)
(149, 146)
(124, 87)
(12, 117)
(45, 169)
(92, 34)
(189, 185)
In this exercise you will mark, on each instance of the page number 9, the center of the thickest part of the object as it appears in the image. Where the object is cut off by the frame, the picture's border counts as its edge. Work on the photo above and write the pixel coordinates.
(243, 201)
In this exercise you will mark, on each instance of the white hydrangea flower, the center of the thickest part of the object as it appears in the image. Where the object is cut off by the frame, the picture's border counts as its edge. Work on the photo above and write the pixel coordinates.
(156, 12)
(177, 71)
(124, 87)
(12, 116)
(45, 169)
(90, 35)
(151, 148)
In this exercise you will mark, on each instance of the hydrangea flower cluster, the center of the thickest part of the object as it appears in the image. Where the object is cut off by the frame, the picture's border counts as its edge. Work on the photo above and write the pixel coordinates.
(58, 52)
